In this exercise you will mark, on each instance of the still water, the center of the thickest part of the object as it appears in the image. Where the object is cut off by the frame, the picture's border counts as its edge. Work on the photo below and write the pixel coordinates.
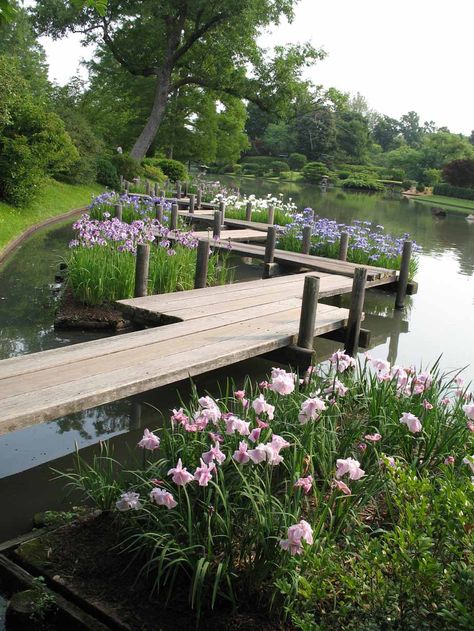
(438, 320)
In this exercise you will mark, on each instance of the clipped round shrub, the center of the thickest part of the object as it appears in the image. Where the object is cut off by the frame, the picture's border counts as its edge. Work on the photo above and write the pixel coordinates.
(277, 166)
(420, 188)
(297, 161)
(107, 173)
(127, 166)
(362, 181)
(407, 184)
(173, 169)
(154, 173)
(343, 175)
(314, 171)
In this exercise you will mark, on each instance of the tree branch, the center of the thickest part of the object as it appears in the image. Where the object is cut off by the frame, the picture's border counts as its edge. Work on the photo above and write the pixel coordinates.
(197, 34)
(144, 72)
(206, 83)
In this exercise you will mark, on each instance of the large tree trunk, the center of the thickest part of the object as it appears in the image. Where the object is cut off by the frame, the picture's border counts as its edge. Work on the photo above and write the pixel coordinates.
(143, 142)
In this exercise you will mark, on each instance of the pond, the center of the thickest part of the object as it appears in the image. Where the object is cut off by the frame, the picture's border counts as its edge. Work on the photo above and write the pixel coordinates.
(437, 320)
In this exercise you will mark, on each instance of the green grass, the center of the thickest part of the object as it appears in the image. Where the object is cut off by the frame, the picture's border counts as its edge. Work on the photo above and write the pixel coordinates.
(55, 199)
(455, 204)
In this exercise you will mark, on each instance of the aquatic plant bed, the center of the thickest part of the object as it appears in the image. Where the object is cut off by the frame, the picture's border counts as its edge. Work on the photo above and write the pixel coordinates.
(342, 499)
(86, 563)
(72, 314)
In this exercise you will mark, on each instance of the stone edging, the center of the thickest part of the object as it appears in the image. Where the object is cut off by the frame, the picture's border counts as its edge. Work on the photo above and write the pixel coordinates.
(17, 241)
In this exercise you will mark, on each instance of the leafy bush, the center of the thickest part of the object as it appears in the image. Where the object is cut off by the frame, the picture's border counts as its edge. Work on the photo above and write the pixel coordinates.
(420, 188)
(454, 191)
(173, 169)
(107, 173)
(126, 166)
(262, 160)
(342, 174)
(297, 161)
(363, 181)
(20, 174)
(314, 171)
(432, 176)
(278, 166)
(362, 168)
(154, 173)
(343, 500)
(258, 170)
(459, 173)
(407, 184)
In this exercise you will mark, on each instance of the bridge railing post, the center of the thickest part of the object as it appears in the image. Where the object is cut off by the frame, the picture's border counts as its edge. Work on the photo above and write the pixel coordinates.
(198, 198)
(355, 310)
(308, 312)
(174, 216)
(306, 243)
(202, 264)
(343, 246)
(268, 261)
(159, 212)
(248, 212)
(141, 270)
(216, 227)
(404, 274)
(271, 215)
(191, 204)
(118, 211)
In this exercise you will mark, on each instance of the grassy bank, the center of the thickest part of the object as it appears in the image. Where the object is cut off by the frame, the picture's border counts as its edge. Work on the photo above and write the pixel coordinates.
(455, 205)
(55, 199)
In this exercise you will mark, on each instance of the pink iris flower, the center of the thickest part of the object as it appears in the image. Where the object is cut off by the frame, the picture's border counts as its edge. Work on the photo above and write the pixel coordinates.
(470, 426)
(203, 474)
(282, 382)
(337, 387)
(149, 441)
(258, 454)
(422, 382)
(181, 476)
(128, 501)
(382, 369)
(468, 410)
(179, 417)
(449, 460)
(163, 498)
(255, 434)
(234, 424)
(342, 486)
(210, 409)
(427, 405)
(350, 466)
(469, 460)
(411, 421)
(342, 361)
(362, 447)
(295, 535)
(214, 453)
(311, 410)
(374, 438)
(305, 483)
(262, 407)
(240, 455)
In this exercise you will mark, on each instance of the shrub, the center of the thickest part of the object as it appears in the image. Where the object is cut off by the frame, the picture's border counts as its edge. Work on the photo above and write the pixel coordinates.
(342, 174)
(258, 170)
(277, 166)
(407, 184)
(173, 169)
(107, 173)
(20, 174)
(454, 191)
(363, 181)
(420, 188)
(459, 173)
(126, 166)
(154, 173)
(297, 161)
(314, 171)
(362, 168)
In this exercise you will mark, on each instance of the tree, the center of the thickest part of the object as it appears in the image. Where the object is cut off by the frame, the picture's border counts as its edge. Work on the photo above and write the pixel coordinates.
(353, 137)
(187, 42)
(410, 128)
(386, 132)
(459, 173)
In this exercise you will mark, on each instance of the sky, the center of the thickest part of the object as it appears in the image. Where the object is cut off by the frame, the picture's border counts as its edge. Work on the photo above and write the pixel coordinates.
(408, 55)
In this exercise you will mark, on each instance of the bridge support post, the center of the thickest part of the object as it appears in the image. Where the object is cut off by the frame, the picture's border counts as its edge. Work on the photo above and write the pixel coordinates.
(147, 187)
(343, 246)
(198, 198)
(185, 188)
(118, 211)
(300, 355)
(269, 266)
(155, 189)
(141, 270)
(178, 189)
(355, 310)
(191, 204)
(222, 211)
(216, 231)
(306, 243)
(403, 276)
(202, 263)
(271, 215)
(248, 212)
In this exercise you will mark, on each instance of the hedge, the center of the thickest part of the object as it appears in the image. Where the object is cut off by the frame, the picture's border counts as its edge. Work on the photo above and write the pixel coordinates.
(453, 191)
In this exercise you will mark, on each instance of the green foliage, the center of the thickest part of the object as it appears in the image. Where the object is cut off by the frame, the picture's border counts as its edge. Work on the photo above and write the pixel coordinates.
(459, 173)
(107, 173)
(314, 171)
(407, 184)
(152, 172)
(173, 169)
(363, 181)
(126, 166)
(453, 191)
(297, 161)
(278, 166)
(420, 188)
(33, 141)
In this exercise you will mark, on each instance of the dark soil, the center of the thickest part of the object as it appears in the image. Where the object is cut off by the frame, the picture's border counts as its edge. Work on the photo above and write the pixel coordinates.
(87, 558)
(75, 315)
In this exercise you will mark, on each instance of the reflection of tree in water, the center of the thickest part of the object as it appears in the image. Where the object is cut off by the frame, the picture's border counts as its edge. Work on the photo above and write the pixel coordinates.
(97, 422)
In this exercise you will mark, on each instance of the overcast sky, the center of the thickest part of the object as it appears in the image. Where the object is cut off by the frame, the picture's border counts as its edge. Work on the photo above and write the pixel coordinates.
(405, 55)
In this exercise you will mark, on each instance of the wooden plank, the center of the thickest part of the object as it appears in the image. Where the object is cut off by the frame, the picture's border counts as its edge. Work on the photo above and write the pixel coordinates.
(239, 342)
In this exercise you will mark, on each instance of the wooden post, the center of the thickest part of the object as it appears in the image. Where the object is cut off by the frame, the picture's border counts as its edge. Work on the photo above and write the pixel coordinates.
(343, 246)
(178, 189)
(185, 188)
(202, 262)
(216, 232)
(159, 212)
(355, 311)
(222, 211)
(174, 216)
(127, 186)
(162, 194)
(315, 214)
(191, 204)
(268, 261)
(155, 189)
(141, 270)
(147, 187)
(248, 212)
(308, 312)
(306, 243)
(271, 215)
(403, 276)
(198, 198)
(118, 211)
